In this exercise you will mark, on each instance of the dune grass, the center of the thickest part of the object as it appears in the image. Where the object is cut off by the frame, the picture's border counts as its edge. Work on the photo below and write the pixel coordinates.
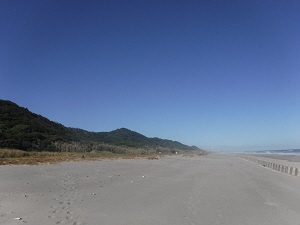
(12, 153)
(19, 157)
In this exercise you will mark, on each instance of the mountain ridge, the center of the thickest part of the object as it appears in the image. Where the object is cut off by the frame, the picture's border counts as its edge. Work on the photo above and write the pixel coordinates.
(25, 130)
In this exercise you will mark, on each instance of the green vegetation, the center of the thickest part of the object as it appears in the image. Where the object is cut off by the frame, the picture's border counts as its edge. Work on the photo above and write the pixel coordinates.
(19, 157)
(12, 153)
(12, 156)
(27, 131)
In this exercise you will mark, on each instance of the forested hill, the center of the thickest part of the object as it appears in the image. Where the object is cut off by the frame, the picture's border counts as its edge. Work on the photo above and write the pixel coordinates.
(22, 129)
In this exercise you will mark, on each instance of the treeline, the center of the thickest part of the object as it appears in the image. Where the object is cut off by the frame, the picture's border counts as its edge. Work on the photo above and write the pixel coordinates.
(24, 130)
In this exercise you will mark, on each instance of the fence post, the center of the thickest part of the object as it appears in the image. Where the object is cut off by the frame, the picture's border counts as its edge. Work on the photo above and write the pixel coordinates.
(286, 170)
(291, 170)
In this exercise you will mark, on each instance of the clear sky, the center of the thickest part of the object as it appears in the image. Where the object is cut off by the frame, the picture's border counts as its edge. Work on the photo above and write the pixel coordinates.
(217, 74)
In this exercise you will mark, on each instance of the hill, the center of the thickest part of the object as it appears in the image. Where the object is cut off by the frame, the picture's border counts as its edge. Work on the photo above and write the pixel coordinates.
(24, 130)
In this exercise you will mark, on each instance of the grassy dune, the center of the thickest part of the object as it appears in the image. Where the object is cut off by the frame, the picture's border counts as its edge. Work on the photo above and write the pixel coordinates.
(18, 157)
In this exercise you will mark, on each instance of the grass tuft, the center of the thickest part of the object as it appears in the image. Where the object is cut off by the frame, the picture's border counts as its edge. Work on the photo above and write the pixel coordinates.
(12, 153)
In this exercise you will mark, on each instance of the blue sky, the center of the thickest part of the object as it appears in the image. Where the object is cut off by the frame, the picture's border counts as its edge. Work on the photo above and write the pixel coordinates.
(222, 75)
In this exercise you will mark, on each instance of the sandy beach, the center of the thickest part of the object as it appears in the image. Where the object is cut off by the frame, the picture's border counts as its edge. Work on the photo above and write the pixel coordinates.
(284, 157)
(212, 189)
(284, 160)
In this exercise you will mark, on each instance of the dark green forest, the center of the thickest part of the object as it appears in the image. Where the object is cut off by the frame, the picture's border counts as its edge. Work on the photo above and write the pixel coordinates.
(24, 130)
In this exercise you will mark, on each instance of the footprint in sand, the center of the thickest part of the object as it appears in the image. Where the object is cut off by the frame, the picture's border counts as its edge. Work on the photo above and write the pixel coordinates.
(64, 201)
(70, 212)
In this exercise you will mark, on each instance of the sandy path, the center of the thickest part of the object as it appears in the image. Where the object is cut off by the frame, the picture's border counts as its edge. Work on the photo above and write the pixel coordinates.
(215, 189)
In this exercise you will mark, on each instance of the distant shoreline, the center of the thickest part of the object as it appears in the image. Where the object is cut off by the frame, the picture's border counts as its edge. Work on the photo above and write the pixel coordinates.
(288, 157)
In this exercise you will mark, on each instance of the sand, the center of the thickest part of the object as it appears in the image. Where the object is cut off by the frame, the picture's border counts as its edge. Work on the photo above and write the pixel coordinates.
(280, 159)
(212, 189)
(292, 159)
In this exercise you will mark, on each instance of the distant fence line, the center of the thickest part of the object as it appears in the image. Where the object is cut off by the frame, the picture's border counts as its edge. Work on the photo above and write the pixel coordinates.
(291, 170)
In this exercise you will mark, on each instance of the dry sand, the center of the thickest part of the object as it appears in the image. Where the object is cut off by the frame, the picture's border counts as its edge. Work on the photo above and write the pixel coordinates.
(212, 189)
(289, 159)
(280, 159)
